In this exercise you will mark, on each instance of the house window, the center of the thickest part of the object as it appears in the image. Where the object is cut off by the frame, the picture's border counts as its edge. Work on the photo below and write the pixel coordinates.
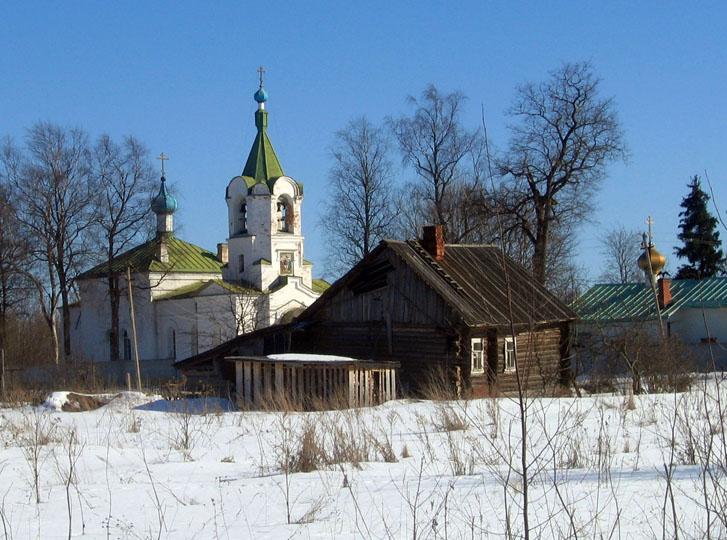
(287, 260)
(478, 355)
(509, 354)
(127, 346)
(241, 263)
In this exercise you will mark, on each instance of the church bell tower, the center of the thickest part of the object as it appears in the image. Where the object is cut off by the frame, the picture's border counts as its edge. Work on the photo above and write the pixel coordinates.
(264, 216)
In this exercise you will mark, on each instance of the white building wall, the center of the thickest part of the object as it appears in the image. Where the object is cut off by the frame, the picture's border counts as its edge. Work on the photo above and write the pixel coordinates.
(260, 240)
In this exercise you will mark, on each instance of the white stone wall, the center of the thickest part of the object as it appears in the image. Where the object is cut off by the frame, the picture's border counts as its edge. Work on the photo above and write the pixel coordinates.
(261, 239)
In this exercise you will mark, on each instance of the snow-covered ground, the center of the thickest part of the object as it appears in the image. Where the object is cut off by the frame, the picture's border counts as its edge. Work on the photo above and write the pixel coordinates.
(141, 467)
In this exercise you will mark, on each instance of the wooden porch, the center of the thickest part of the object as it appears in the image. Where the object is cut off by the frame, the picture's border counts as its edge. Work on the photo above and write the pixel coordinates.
(303, 381)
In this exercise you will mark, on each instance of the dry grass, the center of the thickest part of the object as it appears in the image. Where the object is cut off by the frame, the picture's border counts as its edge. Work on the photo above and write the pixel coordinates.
(447, 419)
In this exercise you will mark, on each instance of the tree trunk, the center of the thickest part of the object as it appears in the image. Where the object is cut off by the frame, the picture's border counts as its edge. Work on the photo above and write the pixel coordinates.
(54, 336)
(4, 308)
(66, 321)
(540, 251)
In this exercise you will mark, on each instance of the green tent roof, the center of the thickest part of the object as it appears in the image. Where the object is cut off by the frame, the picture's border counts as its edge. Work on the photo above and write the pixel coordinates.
(183, 257)
(617, 302)
(262, 163)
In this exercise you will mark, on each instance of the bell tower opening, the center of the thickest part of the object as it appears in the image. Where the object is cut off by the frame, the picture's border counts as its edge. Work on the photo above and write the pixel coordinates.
(242, 218)
(285, 215)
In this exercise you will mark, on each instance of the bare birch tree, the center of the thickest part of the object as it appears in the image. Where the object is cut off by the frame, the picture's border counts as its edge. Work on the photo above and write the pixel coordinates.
(54, 188)
(564, 136)
(124, 176)
(359, 212)
(435, 144)
(620, 249)
(14, 259)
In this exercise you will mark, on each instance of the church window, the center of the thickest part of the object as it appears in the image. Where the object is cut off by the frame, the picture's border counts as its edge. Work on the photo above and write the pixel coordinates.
(241, 263)
(287, 260)
(127, 346)
(284, 215)
(243, 218)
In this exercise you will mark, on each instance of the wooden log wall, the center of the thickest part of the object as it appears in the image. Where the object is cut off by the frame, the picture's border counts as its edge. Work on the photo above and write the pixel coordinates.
(420, 350)
(539, 360)
(399, 296)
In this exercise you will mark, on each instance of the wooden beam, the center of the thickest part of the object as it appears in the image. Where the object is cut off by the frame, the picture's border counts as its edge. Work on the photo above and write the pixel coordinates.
(279, 380)
(247, 382)
(256, 383)
(238, 381)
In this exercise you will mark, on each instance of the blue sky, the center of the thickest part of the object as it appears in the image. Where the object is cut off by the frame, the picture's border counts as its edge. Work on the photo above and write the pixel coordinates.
(180, 76)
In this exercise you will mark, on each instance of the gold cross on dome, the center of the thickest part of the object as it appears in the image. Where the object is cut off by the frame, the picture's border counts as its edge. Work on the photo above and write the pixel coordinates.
(649, 222)
(163, 157)
(261, 72)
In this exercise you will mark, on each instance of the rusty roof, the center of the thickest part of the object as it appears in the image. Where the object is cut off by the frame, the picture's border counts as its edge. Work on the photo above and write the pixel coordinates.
(471, 280)
(474, 282)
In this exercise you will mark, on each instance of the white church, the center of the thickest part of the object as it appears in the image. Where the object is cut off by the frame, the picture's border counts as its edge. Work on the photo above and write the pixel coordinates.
(185, 299)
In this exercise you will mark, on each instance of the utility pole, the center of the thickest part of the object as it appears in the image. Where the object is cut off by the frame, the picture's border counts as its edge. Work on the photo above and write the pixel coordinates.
(133, 328)
(2, 371)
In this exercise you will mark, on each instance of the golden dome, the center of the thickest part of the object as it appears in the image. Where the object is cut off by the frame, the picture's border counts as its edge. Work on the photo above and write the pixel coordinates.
(658, 261)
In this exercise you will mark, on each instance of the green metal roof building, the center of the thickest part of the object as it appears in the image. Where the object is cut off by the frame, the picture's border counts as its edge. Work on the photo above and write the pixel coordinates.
(694, 311)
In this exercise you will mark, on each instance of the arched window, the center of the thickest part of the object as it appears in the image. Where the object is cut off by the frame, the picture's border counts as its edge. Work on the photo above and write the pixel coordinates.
(127, 346)
(285, 215)
(242, 218)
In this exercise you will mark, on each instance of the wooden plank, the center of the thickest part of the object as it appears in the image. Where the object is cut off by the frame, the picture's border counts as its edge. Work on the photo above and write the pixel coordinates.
(256, 397)
(351, 388)
(294, 383)
(279, 387)
(247, 382)
(238, 380)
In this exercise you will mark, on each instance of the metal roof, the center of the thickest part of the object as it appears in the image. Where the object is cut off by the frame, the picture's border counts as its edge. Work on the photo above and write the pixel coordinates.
(183, 257)
(615, 302)
(470, 279)
(193, 289)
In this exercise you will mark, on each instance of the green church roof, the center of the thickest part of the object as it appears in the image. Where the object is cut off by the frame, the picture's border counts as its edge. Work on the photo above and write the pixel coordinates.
(183, 257)
(262, 162)
(620, 302)
(193, 289)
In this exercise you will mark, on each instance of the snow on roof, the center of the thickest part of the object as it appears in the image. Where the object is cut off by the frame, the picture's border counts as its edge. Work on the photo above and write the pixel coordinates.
(299, 357)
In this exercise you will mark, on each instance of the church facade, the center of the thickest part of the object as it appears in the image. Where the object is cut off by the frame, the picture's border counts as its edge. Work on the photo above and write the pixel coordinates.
(186, 299)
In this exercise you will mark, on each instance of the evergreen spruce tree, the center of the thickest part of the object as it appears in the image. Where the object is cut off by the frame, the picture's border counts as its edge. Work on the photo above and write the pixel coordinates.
(702, 246)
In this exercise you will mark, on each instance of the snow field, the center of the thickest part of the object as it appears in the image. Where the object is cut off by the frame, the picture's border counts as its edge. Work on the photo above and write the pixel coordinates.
(142, 467)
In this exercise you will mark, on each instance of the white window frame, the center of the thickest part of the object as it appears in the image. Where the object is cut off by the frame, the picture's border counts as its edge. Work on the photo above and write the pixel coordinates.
(477, 354)
(509, 354)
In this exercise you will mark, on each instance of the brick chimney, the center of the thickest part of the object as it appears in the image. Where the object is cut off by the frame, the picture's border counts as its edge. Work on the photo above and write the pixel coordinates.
(663, 290)
(222, 253)
(433, 241)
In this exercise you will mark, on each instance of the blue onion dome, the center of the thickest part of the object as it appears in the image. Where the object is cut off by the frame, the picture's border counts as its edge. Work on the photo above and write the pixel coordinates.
(261, 96)
(164, 202)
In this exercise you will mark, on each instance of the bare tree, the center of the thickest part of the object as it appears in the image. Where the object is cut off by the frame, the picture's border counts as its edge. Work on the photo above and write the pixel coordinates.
(359, 212)
(563, 138)
(14, 259)
(435, 144)
(620, 250)
(124, 177)
(54, 189)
